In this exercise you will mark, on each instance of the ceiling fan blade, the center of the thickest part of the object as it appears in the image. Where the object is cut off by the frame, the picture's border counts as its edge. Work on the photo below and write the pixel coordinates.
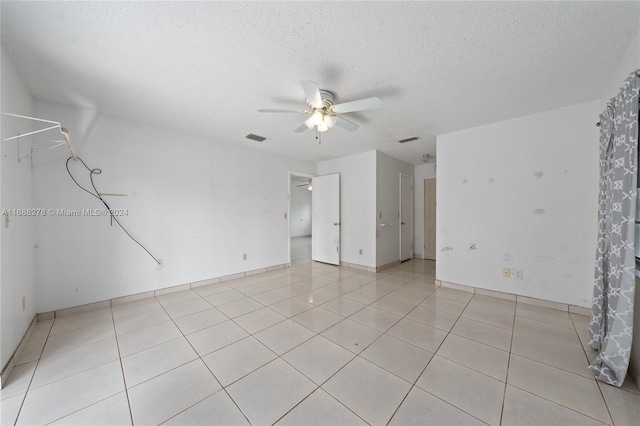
(301, 129)
(312, 91)
(361, 105)
(294, 111)
(346, 124)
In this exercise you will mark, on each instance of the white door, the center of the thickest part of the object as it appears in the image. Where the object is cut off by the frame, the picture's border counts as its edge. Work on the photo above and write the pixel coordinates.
(406, 216)
(430, 219)
(325, 218)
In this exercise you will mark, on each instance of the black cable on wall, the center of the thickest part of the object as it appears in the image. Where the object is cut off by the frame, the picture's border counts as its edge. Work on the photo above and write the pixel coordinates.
(97, 195)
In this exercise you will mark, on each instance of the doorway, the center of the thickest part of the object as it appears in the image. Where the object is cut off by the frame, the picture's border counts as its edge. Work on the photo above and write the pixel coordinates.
(300, 218)
(430, 219)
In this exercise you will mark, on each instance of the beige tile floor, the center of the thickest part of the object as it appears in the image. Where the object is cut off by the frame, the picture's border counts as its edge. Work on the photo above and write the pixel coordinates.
(315, 344)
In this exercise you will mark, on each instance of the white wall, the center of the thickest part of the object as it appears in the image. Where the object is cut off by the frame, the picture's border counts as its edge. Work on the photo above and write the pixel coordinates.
(17, 268)
(357, 205)
(421, 172)
(300, 211)
(388, 205)
(630, 63)
(524, 192)
(195, 203)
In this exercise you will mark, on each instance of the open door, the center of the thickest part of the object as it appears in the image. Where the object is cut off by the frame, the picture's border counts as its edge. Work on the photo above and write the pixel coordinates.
(325, 217)
(406, 217)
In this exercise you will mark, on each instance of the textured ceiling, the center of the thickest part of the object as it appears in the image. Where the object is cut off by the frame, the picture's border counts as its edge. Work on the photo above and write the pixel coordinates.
(206, 67)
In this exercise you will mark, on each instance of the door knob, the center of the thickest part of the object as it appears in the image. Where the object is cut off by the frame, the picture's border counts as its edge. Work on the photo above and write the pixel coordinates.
(401, 223)
(336, 223)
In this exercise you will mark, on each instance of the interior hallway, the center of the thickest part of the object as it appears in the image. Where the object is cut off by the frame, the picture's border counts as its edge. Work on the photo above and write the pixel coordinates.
(300, 250)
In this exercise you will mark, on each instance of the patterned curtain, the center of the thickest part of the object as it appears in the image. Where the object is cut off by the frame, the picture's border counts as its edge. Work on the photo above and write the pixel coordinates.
(611, 327)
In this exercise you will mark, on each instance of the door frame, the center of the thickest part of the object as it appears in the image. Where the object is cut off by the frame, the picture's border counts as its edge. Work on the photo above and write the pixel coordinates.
(292, 174)
(411, 190)
(424, 216)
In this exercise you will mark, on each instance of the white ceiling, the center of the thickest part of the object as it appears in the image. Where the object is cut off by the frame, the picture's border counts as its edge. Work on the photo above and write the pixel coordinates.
(206, 67)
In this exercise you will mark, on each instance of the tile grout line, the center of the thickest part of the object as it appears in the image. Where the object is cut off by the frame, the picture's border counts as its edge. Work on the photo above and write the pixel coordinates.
(222, 388)
(286, 317)
(358, 355)
(124, 379)
(316, 334)
(414, 385)
(26, 392)
(83, 371)
(606, 404)
(506, 378)
(555, 367)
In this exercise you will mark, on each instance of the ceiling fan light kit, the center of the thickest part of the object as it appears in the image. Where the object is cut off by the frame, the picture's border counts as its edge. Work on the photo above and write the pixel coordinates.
(427, 158)
(324, 114)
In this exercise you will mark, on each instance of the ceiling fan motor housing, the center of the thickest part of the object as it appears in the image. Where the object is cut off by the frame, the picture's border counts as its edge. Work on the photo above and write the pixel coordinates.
(327, 98)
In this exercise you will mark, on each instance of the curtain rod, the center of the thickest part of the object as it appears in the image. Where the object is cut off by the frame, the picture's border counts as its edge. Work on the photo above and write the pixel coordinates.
(598, 123)
(637, 74)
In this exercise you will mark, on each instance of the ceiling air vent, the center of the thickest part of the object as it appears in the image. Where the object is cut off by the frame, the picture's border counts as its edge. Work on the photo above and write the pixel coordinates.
(415, 138)
(255, 137)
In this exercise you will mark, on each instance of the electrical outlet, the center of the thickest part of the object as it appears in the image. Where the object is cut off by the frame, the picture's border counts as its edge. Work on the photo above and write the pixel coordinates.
(516, 273)
(506, 272)
(244, 256)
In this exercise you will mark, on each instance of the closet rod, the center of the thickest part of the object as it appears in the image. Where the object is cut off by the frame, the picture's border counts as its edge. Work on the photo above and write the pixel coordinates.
(63, 130)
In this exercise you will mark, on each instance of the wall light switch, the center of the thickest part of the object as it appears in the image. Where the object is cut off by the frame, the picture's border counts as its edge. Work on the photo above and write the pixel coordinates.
(244, 256)
(506, 272)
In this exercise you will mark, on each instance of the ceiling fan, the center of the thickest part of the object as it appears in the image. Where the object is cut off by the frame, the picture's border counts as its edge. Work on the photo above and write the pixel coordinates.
(426, 158)
(307, 184)
(324, 114)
